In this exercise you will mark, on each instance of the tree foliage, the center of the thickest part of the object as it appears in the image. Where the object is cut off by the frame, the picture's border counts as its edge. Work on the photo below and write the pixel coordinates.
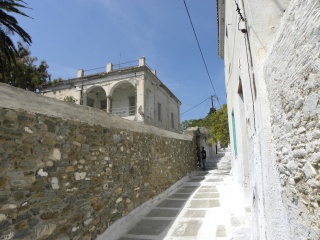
(201, 122)
(25, 73)
(220, 126)
(8, 27)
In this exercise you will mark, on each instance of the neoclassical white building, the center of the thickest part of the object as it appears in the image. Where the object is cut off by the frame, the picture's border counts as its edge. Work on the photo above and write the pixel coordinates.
(134, 93)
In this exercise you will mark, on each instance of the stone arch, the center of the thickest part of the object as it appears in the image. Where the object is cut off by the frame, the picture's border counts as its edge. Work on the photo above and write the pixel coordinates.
(118, 84)
(95, 97)
(123, 98)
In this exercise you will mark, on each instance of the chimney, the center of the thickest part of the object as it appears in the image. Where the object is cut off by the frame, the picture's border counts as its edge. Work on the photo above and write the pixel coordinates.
(109, 67)
(154, 72)
(80, 73)
(142, 61)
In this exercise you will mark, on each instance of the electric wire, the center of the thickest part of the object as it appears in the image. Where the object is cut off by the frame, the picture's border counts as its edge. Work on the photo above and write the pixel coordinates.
(195, 106)
(93, 69)
(205, 64)
(127, 62)
(113, 65)
(239, 11)
(204, 110)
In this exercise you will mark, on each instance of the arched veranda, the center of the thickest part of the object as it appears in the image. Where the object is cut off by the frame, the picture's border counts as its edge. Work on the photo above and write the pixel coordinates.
(96, 97)
(123, 99)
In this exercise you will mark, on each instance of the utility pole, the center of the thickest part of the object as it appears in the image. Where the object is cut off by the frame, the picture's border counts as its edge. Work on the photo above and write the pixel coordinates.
(212, 109)
(81, 94)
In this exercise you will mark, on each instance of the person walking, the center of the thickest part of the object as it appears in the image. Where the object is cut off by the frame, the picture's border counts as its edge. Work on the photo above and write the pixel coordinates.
(204, 158)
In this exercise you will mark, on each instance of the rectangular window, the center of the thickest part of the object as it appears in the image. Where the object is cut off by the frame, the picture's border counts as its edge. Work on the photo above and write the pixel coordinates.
(172, 120)
(159, 112)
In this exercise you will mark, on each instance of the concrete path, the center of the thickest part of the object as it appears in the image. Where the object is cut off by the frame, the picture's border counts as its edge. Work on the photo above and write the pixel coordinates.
(206, 206)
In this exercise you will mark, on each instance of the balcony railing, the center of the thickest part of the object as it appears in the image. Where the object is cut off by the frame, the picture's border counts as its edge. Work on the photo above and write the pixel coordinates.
(124, 111)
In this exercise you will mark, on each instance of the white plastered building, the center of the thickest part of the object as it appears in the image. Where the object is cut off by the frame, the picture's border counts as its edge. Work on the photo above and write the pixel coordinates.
(134, 93)
(272, 70)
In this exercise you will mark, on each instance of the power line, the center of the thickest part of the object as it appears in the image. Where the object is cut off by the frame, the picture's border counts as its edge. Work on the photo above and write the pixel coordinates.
(204, 110)
(239, 11)
(93, 69)
(113, 65)
(201, 51)
(195, 106)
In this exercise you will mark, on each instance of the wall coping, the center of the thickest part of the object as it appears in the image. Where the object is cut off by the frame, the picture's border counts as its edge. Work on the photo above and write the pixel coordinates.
(22, 100)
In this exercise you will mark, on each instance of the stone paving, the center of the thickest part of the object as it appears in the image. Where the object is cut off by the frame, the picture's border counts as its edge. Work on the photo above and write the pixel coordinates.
(204, 207)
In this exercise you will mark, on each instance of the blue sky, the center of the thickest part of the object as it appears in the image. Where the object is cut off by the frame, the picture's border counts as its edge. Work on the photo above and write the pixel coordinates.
(87, 34)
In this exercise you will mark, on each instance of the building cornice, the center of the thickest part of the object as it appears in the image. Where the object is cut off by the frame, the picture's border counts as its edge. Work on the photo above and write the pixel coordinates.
(112, 76)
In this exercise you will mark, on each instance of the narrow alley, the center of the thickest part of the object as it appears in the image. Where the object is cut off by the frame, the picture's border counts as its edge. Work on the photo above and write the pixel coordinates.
(206, 205)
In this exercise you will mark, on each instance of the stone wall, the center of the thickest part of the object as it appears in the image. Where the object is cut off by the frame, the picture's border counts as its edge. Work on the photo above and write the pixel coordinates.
(69, 172)
(293, 79)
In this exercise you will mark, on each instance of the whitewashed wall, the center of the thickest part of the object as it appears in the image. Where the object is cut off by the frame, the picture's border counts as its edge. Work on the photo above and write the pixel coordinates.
(150, 103)
(292, 74)
(277, 124)
(61, 94)
(155, 94)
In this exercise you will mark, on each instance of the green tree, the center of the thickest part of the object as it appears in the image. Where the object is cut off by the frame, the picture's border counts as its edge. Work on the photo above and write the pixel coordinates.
(8, 27)
(219, 126)
(24, 73)
(216, 121)
(201, 122)
(184, 125)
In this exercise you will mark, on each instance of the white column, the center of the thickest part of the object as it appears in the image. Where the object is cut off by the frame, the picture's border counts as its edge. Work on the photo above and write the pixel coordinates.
(108, 104)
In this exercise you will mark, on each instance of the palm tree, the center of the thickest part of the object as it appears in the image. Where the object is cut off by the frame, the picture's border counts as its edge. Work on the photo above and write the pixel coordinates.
(9, 26)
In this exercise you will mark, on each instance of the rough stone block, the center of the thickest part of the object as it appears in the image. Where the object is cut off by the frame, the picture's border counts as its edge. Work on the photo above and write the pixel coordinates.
(50, 126)
(311, 103)
(80, 175)
(4, 224)
(55, 155)
(7, 235)
(55, 183)
(27, 164)
(309, 171)
(44, 229)
(3, 182)
(49, 215)
(42, 173)
(21, 225)
(300, 153)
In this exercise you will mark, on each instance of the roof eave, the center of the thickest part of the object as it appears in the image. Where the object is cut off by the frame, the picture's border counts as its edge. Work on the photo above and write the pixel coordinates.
(221, 26)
